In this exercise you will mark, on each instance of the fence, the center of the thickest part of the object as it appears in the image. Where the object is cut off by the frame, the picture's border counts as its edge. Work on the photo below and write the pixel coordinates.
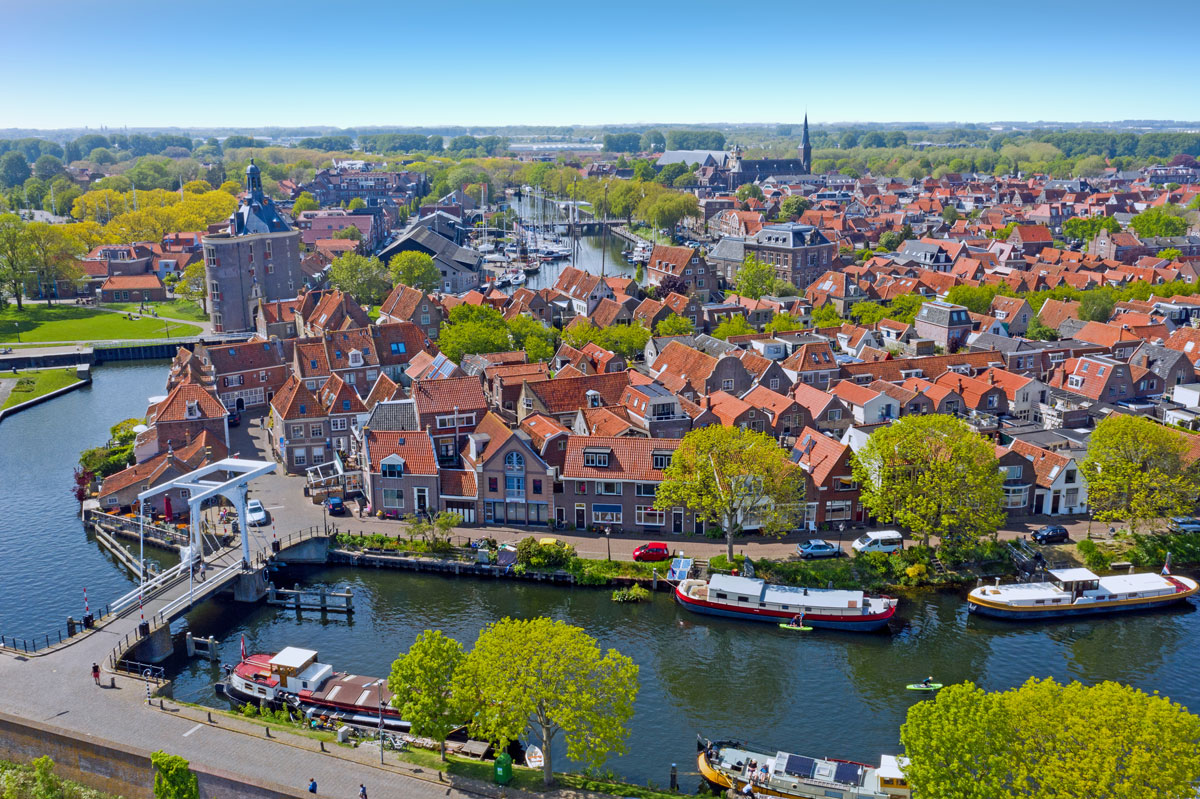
(131, 527)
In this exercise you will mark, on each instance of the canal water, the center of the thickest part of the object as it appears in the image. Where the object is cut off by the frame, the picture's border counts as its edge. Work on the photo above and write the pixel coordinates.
(822, 693)
(538, 211)
(46, 558)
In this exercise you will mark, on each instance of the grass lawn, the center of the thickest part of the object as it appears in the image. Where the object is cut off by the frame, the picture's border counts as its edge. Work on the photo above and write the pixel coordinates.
(652, 234)
(173, 309)
(31, 385)
(40, 323)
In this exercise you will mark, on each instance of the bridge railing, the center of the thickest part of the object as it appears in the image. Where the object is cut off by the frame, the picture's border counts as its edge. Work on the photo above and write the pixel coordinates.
(145, 591)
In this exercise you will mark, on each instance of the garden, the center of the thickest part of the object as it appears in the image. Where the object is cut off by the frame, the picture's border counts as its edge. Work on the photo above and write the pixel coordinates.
(69, 323)
(33, 384)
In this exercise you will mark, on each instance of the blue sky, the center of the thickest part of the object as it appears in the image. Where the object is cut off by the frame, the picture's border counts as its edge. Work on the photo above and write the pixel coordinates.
(373, 62)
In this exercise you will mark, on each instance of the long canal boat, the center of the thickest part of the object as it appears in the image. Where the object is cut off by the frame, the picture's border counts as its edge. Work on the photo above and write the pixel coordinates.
(731, 764)
(294, 677)
(1079, 592)
(757, 600)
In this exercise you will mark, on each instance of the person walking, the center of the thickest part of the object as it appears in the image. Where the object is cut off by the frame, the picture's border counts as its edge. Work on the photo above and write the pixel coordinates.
(362, 791)
(96, 673)
(312, 786)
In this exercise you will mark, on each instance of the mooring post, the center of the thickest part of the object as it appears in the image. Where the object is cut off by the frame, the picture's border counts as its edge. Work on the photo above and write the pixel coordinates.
(324, 601)
(674, 778)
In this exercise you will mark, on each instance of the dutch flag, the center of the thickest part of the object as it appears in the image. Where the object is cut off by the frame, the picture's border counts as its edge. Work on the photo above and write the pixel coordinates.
(243, 646)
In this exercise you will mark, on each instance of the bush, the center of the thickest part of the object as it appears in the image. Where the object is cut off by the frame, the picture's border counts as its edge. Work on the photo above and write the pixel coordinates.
(1151, 550)
(544, 556)
(634, 593)
(1094, 558)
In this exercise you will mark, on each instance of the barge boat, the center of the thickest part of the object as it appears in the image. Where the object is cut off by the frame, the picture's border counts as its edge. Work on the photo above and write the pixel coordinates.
(757, 600)
(1079, 592)
(730, 764)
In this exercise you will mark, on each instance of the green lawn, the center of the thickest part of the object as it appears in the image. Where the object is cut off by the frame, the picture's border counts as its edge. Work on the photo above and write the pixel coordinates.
(31, 385)
(66, 323)
(174, 309)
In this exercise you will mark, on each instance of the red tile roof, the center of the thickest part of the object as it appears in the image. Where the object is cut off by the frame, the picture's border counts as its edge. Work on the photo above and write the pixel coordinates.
(414, 446)
(628, 458)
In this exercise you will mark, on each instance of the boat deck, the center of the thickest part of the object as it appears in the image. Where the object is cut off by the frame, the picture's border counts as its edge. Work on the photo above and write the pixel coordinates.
(351, 690)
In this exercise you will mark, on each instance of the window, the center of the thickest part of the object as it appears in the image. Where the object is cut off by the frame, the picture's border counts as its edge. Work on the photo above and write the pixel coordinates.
(514, 486)
(1070, 477)
(774, 383)
(393, 497)
(1016, 496)
(514, 462)
(537, 486)
(645, 489)
(992, 401)
(608, 489)
(647, 515)
(392, 470)
(297, 431)
(606, 514)
(838, 510)
(834, 415)
(493, 484)
(727, 385)
(397, 348)
(318, 455)
(528, 403)
(316, 430)
(597, 459)
(580, 487)
(300, 457)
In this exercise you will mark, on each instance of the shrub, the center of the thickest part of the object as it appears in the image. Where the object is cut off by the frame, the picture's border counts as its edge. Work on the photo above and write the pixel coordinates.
(1094, 558)
(634, 593)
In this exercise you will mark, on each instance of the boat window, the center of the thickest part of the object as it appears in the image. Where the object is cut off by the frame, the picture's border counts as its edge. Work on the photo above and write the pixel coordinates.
(722, 596)
(743, 599)
(762, 604)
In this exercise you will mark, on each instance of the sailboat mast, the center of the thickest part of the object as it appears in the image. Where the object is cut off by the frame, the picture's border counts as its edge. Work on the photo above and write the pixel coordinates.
(604, 233)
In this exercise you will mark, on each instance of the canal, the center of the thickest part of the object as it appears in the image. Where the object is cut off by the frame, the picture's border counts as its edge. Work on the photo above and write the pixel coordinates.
(822, 693)
(46, 557)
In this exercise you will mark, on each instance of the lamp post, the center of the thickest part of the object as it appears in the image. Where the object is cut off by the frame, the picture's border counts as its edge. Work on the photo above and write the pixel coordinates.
(608, 540)
(841, 533)
(379, 687)
(17, 325)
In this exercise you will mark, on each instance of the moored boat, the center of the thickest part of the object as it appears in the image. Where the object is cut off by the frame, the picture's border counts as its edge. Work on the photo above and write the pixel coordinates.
(730, 764)
(1080, 592)
(757, 600)
(293, 677)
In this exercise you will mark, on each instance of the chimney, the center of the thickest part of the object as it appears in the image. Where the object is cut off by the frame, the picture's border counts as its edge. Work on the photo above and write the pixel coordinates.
(992, 376)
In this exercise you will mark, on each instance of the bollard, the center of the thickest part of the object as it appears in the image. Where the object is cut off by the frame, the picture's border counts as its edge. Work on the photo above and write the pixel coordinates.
(654, 579)
(161, 706)
(210, 721)
(674, 778)
(322, 745)
(268, 729)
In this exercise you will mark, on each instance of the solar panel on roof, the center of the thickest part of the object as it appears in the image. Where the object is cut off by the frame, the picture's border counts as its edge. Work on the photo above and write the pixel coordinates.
(800, 766)
(848, 773)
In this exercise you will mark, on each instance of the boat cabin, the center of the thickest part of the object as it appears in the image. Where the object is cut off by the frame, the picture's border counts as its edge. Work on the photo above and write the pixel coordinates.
(1074, 581)
(750, 592)
(298, 670)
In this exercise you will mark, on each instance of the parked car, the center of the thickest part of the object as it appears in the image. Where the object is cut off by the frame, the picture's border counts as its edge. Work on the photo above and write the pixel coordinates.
(235, 418)
(652, 552)
(256, 514)
(336, 506)
(817, 548)
(885, 541)
(1052, 534)
(1183, 524)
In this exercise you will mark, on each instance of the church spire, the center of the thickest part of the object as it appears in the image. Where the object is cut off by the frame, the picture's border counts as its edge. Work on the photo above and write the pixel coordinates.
(806, 148)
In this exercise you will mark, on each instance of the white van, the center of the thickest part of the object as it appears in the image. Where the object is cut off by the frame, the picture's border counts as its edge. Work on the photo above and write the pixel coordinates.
(885, 541)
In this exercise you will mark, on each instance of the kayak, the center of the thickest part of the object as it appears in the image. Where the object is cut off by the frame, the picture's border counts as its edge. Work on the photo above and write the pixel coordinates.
(793, 627)
(917, 686)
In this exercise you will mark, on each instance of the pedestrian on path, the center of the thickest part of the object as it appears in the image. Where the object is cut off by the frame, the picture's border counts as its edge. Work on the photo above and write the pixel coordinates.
(312, 786)
(96, 673)
(362, 791)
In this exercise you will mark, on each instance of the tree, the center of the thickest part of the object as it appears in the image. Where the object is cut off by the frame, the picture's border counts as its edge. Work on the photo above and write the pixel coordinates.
(1170, 253)
(783, 323)
(748, 190)
(731, 477)
(1079, 228)
(977, 299)
(415, 269)
(1051, 741)
(14, 169)
(173, 777)
(643, 170)
(735, 325)
(53, 256)
(553, 678)
(421, 683)
(1096, 305)
(349, 232)
(794, 206)
(47, 168)
(1166, 220)
(672, 284)
(891, 241)
(826, 316)
(1136, 471)
(934, 476)
(653, 141)
(1040, 331)
(364, 278)
(16, 257)
(754, 278)
(356, 203)
(193, 286)
(950, 215)
(305, 202)
(675, 325)
(529, 334)
(473, 329)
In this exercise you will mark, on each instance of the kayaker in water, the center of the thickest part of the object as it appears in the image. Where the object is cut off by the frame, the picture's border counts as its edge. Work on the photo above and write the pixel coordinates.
(797, 621)
(927, 681)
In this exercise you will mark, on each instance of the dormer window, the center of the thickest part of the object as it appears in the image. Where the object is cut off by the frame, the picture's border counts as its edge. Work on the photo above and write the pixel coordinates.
(596, 458)
(356, 358)
(193, 409)
(593, 399)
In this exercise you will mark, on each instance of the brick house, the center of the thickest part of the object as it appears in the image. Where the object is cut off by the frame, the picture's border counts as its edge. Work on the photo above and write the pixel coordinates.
(776, 414)
(119, 491)
(187, 411)
(133, 288)
(299, 428)
(400, 473)
(946, 324)
(685, 263)
(249, 374)
(406, 304)
(693, 373)
(830, 492)
(827, 413)
(449, 410)
(515, 486)
(1059, 489)
(561, 397)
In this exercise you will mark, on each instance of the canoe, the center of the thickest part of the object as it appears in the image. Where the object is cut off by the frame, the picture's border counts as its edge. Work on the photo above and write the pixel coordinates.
(933, 686)
(796, 629)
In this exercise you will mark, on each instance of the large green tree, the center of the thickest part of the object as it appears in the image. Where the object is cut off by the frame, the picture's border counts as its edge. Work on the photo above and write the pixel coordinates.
(1166, 220)
(934, 476)
(366, 279)
(675, 325)
(415, 269)
(173, 777)
(16, 257)
(733, 478)
(305, 202)
(794, 206)
(551, 678)
(733, 326)
(754, 278)
(193, 287)
(1045, 740)
(1136, 471)
(53, 256)
(473, 329)
(538, 340)
(421, 683)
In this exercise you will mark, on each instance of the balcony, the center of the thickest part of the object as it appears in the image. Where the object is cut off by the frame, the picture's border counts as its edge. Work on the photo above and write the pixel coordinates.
(980, 422)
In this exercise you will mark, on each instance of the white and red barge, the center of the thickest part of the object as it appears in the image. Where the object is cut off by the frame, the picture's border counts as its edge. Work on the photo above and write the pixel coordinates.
(757, 600)
(295, 678)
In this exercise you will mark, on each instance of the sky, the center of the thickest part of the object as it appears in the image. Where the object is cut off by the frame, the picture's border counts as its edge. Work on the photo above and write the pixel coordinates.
(136, 63)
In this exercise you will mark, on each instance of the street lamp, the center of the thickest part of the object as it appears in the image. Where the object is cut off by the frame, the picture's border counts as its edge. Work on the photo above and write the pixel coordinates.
(379, 687)
(841, 533)
(17, 325)
(608, 540)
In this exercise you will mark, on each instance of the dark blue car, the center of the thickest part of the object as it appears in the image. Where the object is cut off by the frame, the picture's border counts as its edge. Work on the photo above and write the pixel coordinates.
(335, 506)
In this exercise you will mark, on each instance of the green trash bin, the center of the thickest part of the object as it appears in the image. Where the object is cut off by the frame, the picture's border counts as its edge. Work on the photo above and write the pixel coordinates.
(503, 769)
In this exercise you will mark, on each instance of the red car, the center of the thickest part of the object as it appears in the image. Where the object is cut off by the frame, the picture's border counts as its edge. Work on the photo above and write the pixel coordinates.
(654, 551)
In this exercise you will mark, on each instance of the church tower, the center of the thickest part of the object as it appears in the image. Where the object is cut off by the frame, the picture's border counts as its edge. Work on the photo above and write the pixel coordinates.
(806, 148)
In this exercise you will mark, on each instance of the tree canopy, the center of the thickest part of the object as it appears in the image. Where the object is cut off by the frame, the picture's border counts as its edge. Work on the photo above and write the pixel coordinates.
(1166, 220)
(1136, 471)
(793, 207)
(934, 476)
(673, 325)
(754, 278)
(733, 478)
(421, 683)
(1046, 740)
(735, 325)
(366, 279)
(415, 269)
(305, 202)
(552, 678)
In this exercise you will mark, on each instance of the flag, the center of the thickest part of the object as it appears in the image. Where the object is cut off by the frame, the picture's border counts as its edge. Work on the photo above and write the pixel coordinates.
(1166, 570)
(243, 646)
